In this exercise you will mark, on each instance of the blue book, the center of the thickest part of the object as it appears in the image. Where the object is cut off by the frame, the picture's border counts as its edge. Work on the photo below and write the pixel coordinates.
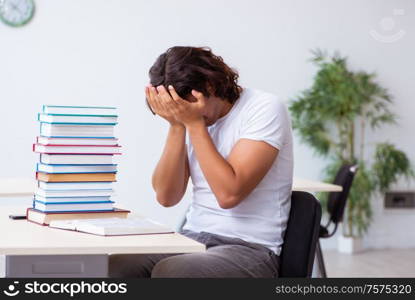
(67, 199)
(80, 110)
(73, 207)
(76, 130)
(77, 119)
(84, 193)
(76, 169)
(69, 186)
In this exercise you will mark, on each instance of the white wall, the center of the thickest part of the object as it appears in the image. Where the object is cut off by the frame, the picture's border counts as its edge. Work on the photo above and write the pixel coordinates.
(98, 52)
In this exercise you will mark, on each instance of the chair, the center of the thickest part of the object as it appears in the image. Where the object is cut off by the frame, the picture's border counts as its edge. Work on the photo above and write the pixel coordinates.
(301, 236)
(335, 207)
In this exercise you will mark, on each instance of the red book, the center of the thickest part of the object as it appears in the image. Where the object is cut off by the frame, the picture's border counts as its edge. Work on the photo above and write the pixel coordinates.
(76, 141)
(44, 218)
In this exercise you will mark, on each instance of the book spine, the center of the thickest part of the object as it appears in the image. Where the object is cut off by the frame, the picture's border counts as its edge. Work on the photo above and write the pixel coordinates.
(34, 222)
(79, 153)
(80, 115)
(74, 145)
(77, 123)
(69, 203)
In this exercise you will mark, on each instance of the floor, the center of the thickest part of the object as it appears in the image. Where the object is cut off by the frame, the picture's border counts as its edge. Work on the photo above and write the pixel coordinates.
(371, 263)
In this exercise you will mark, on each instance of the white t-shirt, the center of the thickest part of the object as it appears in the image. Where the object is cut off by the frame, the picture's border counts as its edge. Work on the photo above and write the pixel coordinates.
(262, 216)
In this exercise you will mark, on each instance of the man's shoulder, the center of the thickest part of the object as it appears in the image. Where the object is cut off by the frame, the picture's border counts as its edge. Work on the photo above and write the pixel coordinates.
(255, 99)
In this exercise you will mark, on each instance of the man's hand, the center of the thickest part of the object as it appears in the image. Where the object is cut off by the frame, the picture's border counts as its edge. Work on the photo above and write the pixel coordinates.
(188, 113)
(170, 106)
(160, 106)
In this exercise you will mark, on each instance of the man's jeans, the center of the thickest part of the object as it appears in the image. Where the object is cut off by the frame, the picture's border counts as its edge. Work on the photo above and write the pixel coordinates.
(224, 257)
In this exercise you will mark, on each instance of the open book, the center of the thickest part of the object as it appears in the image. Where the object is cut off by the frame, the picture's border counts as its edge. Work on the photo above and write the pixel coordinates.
(112, 226)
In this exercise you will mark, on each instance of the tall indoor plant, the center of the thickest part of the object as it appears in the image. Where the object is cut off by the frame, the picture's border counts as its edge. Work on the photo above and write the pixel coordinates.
(333, 117)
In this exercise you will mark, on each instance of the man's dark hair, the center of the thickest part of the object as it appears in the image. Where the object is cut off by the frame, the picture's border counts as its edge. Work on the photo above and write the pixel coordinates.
(188, 68)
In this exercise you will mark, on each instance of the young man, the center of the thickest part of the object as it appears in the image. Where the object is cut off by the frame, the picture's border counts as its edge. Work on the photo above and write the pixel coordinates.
(236, 145)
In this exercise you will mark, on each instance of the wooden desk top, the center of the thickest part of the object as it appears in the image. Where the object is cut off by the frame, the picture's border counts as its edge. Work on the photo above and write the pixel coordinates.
(300, 184)
(20, 237)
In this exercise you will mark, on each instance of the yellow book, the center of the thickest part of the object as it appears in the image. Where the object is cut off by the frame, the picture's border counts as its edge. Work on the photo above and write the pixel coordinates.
(75, 177)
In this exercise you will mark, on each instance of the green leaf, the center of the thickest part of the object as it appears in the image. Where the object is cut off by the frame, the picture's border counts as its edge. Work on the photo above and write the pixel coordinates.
(390, 164)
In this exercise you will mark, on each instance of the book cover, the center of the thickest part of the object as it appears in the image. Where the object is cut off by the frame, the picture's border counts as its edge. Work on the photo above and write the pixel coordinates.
(77, 119)
(73, 207)
(75, 169)
(59, 187)
(75, 177)
(76, 149)
(44, 218)
(76, 159)
(76, 141)
(79, 110)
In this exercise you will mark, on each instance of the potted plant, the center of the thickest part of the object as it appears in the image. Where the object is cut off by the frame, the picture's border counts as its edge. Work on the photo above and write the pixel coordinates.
(333, 117)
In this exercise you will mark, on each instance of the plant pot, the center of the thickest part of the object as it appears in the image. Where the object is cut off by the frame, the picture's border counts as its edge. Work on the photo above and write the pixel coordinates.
(349, 245)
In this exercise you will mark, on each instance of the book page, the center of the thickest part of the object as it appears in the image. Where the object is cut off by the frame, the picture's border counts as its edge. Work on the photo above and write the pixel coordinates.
(64, 224)
(112, 226)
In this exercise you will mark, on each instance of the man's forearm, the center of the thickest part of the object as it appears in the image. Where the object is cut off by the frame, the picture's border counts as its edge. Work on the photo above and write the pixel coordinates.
(217, 171)
(170, 176)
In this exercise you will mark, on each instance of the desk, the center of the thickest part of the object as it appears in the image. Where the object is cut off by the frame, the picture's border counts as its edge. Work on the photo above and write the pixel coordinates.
(26, 246)
(20, 237)
(305, 185)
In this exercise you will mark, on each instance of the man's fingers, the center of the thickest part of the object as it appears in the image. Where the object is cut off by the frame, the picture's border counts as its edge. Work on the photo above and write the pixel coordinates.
(177, 99)
(174, 94)
(148, 100)
(162, 93)
(154, 99)
(165, 96)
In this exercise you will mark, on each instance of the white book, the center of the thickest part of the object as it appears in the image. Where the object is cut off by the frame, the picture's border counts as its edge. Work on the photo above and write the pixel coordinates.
(76, 141)
(77, 119)
(58, 186)
(112, 226)
(45, 193)
(65, 130)
(56, 169)
(71, 199)
(80, 110)
(76, 159)
(68, 207)
(73, 149)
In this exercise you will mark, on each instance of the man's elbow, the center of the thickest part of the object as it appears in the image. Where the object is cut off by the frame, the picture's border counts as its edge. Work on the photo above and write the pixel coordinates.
(229, 201)
(167, 199)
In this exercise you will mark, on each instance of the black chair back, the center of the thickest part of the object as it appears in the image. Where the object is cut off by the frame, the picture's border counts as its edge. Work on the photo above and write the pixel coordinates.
(301, 236)
(337, 200)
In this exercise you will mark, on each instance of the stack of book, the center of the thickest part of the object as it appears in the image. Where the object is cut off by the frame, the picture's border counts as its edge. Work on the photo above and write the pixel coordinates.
(76, 166)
